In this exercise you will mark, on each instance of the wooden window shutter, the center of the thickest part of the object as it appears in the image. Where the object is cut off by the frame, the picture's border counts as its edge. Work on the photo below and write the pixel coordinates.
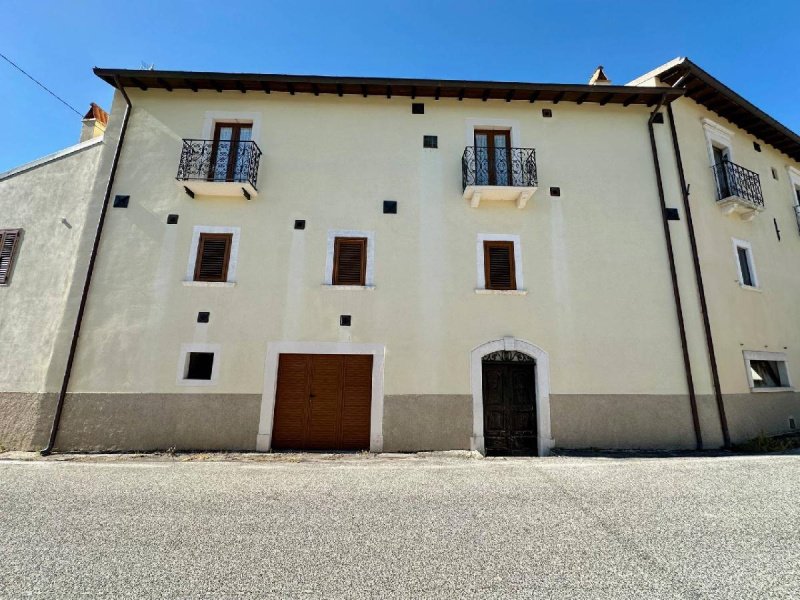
(213, 254)
(498, 264)
(350, 261)
(9, 239)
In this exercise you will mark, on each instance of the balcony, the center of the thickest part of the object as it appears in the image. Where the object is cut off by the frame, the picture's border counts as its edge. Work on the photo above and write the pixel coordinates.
(498, 174)
(738, 190)
(219, 168)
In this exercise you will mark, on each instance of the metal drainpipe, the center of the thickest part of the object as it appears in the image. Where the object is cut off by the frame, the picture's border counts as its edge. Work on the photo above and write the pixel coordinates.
(687, 365)
(90, 269)
(723, 420)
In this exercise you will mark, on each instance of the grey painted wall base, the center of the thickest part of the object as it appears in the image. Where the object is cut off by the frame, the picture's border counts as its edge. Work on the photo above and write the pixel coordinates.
(140, 422)
(415, 423)
(25, 419)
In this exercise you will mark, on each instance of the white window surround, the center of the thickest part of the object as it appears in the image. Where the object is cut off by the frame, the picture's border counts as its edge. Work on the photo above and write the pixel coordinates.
(751, 262)
(542, 362)
(481, 273)
(779, 357)
(369, 278)
(717, 135)
(183, 364)
(212, 117)
(794, 181)
(275, 349)
(232, 261)
(473, 123)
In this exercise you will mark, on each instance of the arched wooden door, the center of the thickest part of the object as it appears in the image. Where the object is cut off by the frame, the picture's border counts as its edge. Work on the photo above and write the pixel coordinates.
(509, 404)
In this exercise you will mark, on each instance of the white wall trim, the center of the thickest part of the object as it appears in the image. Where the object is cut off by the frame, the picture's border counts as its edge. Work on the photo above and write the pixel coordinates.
(750, 259)
(332, 235)
(717, 135)
(774, 356)
(542, 362)
(499, 237)
(183, 364)
(275, 349)
(234, 257)
(212, 117)
(473, 123)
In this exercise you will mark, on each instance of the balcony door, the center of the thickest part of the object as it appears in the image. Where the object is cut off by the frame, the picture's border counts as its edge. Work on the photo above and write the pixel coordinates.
(722, 157)
(493, 157)
(230, 157)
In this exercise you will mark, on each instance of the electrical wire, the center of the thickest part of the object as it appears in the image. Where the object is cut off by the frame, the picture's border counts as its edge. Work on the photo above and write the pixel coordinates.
(40, 84)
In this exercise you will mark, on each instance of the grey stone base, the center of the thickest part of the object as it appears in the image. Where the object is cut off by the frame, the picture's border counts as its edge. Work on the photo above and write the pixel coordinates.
(142, 422)
(25, 419)
(413, 423)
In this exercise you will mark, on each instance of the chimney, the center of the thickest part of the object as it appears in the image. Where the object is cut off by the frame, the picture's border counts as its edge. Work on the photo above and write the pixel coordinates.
(94, 122)
(599, 77)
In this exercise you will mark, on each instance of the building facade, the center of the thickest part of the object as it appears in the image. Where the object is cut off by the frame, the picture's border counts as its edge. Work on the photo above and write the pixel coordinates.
(396, 265)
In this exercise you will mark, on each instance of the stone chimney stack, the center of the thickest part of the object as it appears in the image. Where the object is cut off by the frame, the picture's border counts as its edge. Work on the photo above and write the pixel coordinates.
(599, 77)
(94, 122)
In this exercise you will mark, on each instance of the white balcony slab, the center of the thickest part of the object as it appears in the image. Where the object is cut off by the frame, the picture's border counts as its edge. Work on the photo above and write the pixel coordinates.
(230, 189)
(476, 194)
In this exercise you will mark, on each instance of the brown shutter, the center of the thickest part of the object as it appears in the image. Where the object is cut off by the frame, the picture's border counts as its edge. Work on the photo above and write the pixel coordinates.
(9, 239)
(213, 254)
(350, 261)
(498, 264)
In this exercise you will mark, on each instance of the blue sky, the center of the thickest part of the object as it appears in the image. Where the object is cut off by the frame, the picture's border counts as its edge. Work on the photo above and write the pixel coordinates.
(750, 46)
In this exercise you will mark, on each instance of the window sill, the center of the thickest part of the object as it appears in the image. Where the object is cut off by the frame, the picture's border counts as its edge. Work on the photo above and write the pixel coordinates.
(501, 292)
(768, 390)
(750, 288)
(224, 284)
(330, 286)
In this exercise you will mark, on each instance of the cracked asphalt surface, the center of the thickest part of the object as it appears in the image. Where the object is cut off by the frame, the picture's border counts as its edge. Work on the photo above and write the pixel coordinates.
(418, 527)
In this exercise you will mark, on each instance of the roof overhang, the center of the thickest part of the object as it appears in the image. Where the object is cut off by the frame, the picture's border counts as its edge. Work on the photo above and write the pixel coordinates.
(720, 99)
(372, 86)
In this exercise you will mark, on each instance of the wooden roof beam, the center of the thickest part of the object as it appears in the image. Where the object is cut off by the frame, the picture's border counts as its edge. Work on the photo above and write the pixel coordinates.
(558, 97)
(164, 84)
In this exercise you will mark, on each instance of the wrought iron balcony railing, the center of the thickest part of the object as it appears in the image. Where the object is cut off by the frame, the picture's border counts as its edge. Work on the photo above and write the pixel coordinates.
(219, 161)
(498, 166)
(735, 180)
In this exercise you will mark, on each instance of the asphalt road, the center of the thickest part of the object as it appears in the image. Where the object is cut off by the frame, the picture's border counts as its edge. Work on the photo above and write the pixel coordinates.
(414, 528)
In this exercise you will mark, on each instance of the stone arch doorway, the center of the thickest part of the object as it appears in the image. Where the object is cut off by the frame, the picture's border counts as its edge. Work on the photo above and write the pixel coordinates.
(510, 398)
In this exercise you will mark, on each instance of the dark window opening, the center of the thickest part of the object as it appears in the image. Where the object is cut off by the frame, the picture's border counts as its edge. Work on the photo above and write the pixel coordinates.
(498, 265)
(200, 365)
(390, 207)
(493, 157)
(9, 240)
(121, 201)
(768, 374)
(744, 266)
(418, 108)
(547, 113)
(430, 141)
(756, 147)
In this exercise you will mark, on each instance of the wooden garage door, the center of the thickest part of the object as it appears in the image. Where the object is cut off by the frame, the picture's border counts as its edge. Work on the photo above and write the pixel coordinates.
(323, 402)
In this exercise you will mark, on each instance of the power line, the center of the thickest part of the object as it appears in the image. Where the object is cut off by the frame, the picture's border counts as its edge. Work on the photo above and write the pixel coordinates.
(40, 84)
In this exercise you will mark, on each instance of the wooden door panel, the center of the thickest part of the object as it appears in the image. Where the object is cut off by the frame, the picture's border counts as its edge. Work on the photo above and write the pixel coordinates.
(325, 401)
(291, 399)
(509, 408)
(357, 402)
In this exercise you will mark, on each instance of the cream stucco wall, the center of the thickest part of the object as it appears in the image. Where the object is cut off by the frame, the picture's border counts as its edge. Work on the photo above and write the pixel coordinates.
(595, 266)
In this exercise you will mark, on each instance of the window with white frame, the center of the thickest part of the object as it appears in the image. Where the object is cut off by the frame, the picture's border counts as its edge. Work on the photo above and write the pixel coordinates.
(198, 364)
(213, 256)
(767, 371)
(350, 259)
(745, 265)
(499, 268)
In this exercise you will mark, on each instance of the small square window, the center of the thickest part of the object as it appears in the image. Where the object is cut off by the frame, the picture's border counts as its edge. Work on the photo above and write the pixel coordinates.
(430, 141)
(418, 108)
(203, 317)
(345, 320)
(172, 219)
(756, 146)
(121, 201)
(390, 207)
(555, 191)
(547, 113)
(199, 366)
(300, 224)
